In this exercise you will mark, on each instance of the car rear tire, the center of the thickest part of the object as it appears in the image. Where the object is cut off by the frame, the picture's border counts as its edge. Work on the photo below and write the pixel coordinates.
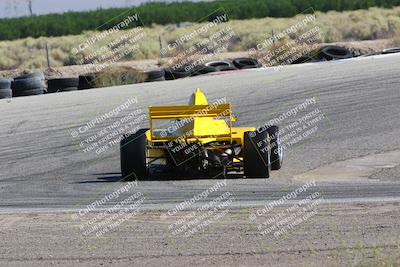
(276, 154)
(256, 157)
(133, 149)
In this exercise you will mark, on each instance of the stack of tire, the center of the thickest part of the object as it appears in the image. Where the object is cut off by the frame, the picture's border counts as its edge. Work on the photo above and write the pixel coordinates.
(29, 84)
(246, 63)
(177, 73)
(326, 53)
(5, 88)
(333, 52)
(304, 59)
(62, 85)
(155, 75)
(391, 50)
(86, 81)
(221, 65)
(213, 66)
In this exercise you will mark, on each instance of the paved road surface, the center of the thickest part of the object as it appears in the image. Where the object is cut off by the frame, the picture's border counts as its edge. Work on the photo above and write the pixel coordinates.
(42, 167)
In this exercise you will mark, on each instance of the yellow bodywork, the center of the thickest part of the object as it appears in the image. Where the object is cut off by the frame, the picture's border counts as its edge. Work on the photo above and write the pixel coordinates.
(196, 122)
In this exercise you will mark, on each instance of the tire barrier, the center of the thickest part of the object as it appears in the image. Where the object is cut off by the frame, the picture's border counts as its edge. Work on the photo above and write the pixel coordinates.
(304, 59)
(34, 83)
(5, 88)
(68, 89)
(5, 84)
(172, 74)
(203, 69)
(28, 86)
(218, 63)
(155, 75)
(391, 50)
(62, 85)
(37, 91)
(37, 74)
(333, 52)
(86, 81)
(226, 68)
(5, 93)
(246, 63)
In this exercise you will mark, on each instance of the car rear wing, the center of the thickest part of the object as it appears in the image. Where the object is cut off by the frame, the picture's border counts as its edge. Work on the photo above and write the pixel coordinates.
(190, 113)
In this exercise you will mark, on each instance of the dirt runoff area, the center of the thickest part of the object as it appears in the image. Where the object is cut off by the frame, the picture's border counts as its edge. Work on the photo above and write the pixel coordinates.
(330, 235)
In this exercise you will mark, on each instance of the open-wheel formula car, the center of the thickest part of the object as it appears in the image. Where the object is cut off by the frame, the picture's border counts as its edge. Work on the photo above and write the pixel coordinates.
(199, 140)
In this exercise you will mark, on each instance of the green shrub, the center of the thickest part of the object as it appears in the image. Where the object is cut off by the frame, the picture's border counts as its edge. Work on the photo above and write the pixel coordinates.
(72, 23)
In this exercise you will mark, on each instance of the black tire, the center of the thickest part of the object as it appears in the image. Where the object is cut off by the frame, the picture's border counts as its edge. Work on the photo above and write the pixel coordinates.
(202, 69)
(391, 50)
(226, 68)
(155, 75)
(158, 79)
(5, 84)
(256, 159)
(218, 63)
(5, 93)
(276, 154)
(55, 85)
(37, 74)
(133, 156)
(246, 63)
(171, 74)
(68, 89)
(37, 91)
(303, 59)
(86, 82)
(27, 84)
(333, 52)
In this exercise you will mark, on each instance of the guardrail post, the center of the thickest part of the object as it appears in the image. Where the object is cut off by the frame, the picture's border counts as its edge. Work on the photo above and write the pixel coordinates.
(162, 50)
(390, 26)
(273, 37)
(47, 55)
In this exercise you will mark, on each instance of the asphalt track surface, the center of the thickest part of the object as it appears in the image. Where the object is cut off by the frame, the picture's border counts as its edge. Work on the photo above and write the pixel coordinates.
(43, 168)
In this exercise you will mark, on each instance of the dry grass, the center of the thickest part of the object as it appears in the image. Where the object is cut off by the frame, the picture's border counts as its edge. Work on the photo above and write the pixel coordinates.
(396, 37)
(337, 26)
(118, 75)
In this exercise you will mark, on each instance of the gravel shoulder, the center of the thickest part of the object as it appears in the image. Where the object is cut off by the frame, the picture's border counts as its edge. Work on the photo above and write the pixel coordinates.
(335, 235)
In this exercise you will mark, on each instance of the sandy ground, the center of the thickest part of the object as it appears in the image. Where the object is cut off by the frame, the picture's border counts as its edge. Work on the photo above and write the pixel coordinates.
(334, 235)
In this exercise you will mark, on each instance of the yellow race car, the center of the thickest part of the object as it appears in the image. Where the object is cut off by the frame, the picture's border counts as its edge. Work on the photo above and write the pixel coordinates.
(198, 140)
